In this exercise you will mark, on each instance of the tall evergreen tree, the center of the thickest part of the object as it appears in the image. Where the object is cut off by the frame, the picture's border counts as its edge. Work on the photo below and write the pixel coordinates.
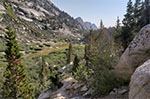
(101, 24)
(42, 74)
(102, 36)
(16, 84)
(147, 12)
(89, 47)
(127, 28)
(69, 56)
(101, 31)
(75, 63)
(86, 54)
(117, 32)
(90, 40)
(138, 10)
(118, 23)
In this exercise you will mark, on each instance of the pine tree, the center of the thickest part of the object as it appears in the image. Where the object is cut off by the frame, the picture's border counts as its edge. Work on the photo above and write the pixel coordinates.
(100, 39)
(128, 22)
(75, 63)
(16, 84)
(42, 74)
(117, 32)
(89, 47)
(138, 10)
(86, 54)
(101, 24)
(147, 12)
(118, 24)
(90, 40)
(69, 57)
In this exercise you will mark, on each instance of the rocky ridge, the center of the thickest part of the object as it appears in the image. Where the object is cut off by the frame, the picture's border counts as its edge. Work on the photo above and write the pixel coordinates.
(38, 18)
(87, 25)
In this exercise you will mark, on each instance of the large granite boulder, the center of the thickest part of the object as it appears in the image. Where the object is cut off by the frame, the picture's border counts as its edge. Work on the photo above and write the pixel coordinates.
(140, 82)
(135, 55)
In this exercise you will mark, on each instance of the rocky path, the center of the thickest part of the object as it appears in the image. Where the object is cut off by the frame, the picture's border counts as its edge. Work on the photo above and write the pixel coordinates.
(61, 93)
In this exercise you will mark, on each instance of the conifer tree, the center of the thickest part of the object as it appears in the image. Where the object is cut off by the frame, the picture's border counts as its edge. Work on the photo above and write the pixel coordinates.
(147, 12)
(42, 74)
(117, 32)
(101, 36)
(90, 40)
(89, 47)
(16, 85)
(86, 54)
(138, 10)
(118, 23)
(69, 56)
(127, 28)
(145, 15)
(101, 24)
(75, 63)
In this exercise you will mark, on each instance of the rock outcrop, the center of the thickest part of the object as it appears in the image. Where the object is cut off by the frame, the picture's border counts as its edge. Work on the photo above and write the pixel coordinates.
(140, 82)
(135, 55)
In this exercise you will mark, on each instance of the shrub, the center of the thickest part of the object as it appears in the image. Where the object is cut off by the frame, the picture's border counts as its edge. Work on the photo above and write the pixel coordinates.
(104, 81)
(37, 48)
(81, 74)
(2, 46)
(47, 44)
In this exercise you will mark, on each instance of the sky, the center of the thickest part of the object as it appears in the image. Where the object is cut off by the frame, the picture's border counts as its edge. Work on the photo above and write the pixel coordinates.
(94, 10)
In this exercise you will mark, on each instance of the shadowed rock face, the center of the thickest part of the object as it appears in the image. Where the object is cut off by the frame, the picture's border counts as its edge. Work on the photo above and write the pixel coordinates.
(140, 82)
(135, 55)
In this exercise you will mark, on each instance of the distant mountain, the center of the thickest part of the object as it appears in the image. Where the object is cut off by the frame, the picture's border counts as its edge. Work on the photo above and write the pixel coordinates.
(86, 25)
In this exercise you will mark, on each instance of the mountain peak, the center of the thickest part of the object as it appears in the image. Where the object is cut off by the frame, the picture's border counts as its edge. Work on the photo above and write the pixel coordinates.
(86, 25)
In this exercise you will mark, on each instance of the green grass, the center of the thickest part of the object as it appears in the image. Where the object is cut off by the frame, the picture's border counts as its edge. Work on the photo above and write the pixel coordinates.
(56, 55)
(1, 15)
(2, 46)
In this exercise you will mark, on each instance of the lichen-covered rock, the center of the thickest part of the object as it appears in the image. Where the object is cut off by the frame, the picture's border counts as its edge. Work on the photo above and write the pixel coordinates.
(135, 55)
(140, 82)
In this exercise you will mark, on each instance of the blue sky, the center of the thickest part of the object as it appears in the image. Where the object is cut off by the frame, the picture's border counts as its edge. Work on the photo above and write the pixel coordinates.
(94, 10)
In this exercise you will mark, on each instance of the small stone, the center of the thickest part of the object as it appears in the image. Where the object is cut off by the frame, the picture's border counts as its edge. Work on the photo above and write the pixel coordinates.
(84, 88)
(122, 92)
(89, 92)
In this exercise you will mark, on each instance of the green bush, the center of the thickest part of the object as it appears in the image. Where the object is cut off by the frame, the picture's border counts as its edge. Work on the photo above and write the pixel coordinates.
(104, 81)
(40, 45)
(2, 46)
(23, 47)
(81, 74)
(47, 44)
(37, 48)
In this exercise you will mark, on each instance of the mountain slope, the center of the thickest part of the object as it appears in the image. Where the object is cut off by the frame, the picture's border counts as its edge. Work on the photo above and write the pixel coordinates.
(38, 20)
